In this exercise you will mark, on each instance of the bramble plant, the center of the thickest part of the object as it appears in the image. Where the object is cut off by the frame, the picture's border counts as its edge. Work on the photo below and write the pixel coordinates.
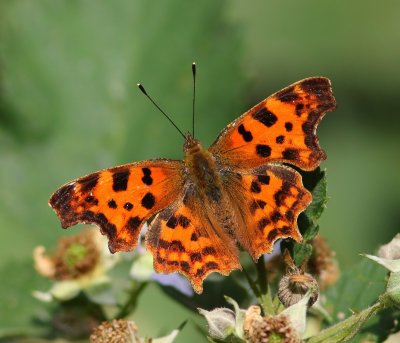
(295, 297)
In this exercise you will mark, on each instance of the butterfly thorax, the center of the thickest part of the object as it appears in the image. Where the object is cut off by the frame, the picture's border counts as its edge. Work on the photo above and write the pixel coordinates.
(202, 169)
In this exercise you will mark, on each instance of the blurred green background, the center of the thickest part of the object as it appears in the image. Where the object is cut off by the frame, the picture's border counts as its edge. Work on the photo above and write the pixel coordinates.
(69, 106)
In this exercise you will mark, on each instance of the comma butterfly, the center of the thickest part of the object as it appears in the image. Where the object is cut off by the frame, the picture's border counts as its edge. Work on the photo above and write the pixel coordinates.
(239, 190)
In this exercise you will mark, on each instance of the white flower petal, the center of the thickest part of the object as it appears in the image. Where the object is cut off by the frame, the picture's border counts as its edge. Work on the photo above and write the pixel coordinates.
(43, 296)
(240, 316)
(142, 267)
(391, 265)
(166, 339)
(65, 290)
(391, 250)
(297, 313)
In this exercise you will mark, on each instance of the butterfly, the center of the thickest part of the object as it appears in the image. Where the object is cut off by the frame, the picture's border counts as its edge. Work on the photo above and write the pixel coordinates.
(238, 192)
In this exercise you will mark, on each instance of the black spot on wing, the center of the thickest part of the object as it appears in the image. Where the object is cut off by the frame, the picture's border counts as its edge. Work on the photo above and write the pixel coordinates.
(183, 221)
(196, 256)
(211, 265)
(209, 251)
(290, 154)
(289, 215)
(120, 180)
(263, 150)
(262, 223)
(275, 216)
(99, 218)
(265, 117)
(147, 179)
(200, 272)
(185, 266)
(148, 201)
(263, 179)
(247, 136)
(174, 245)
(255, 187)
(112, 204)
(280, 139)
(128, 206)
(172, 222)
(280, 197)
(285, 230)
(272, 235)
(288, 126)
(299, 108)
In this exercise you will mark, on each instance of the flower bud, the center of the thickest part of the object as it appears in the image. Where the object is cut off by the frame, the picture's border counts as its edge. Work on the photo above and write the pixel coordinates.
(293, 287)
(221, 322)
(295, 284)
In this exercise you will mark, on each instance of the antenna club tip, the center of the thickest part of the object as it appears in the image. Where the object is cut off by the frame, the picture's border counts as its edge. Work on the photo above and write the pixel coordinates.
(141, 88)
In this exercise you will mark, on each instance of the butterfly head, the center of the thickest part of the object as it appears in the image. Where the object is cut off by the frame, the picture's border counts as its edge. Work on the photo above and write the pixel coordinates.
(191, 145)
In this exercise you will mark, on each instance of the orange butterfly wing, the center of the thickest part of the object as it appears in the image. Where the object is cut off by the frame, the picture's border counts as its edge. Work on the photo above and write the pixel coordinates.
(119, 200)
(184, 238)
(268, 199)
(280, 128)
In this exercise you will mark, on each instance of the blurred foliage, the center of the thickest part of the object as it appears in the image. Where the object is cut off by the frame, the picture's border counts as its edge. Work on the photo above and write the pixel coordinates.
(359, 287)
(68, 106)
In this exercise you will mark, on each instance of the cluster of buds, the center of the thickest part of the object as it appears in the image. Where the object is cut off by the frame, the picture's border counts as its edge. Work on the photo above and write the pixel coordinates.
(125, 331)
(268, 329)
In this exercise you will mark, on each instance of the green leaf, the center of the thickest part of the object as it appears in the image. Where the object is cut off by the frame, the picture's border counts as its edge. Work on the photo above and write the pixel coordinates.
(311, 232)
(316, 182)
(301, 252)
(319, 193)
(357, 288)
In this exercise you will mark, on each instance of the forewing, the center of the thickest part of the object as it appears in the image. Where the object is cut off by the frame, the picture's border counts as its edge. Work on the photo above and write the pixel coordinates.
(182, 239)
(119, 199)
(280, 128)
(269, 200)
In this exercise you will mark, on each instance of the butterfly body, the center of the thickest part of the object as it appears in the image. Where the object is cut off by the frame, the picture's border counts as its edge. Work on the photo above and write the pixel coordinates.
(202, 170)
(236, 192)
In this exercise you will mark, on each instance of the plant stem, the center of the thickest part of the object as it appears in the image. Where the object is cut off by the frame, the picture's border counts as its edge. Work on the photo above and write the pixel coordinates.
(266, 297)
(252, 284)
(130, 305)
(348, 328)
(262, 275)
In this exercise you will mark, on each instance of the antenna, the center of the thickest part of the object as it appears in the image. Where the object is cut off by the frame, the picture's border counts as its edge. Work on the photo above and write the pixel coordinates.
(194, 93)
(158, 107)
